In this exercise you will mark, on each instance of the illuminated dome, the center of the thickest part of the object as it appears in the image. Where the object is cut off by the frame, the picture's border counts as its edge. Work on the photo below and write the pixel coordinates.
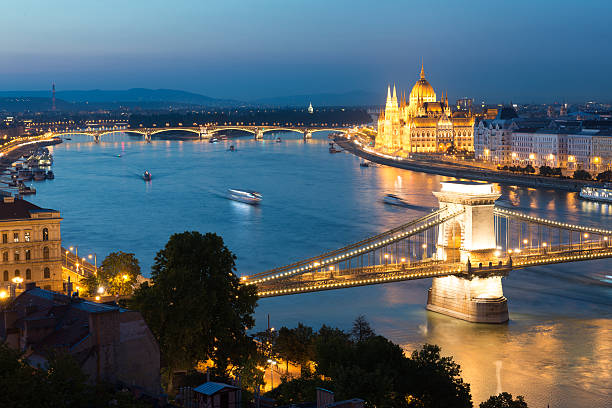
(422, 89)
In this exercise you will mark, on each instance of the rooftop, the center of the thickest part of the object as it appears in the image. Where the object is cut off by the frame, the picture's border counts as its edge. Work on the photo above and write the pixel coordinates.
(11, 209)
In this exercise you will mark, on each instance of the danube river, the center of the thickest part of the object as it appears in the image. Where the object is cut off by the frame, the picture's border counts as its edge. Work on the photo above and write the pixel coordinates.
(557, 348)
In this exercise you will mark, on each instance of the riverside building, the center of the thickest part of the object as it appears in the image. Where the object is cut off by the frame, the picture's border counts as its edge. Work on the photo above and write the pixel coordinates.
(422, 123)
(30, 245)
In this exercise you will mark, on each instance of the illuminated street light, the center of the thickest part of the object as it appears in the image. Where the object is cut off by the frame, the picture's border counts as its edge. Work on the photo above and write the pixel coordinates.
(101, 290)
(3, 294)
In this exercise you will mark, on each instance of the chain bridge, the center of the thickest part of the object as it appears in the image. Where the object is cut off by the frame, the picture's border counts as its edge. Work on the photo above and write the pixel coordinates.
(466, 246)
(203, 132)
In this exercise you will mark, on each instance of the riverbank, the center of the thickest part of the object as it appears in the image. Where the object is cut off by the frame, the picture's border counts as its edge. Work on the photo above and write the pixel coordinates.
(464, 172)
(12, 152)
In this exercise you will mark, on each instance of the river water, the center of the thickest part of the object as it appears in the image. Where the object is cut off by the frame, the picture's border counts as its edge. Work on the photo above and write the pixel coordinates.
(556, 349)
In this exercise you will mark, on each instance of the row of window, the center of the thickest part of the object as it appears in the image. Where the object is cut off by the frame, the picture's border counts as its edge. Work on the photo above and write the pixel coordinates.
(28, 274)
(27, 255)
(26, 236)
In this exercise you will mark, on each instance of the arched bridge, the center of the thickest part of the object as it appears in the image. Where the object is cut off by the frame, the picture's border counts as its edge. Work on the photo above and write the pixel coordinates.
(203, 132)
(467, 246)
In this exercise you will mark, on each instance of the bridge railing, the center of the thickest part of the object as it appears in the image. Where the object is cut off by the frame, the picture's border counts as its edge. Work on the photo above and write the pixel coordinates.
(359, 249)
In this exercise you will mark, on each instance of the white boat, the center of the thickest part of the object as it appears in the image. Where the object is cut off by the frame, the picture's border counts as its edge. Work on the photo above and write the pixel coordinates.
(247, 197)
(392, 199)
(597, 193)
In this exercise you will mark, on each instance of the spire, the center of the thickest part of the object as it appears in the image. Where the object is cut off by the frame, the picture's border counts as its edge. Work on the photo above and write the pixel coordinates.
(422, 70)
(388, 93)
(394, 94)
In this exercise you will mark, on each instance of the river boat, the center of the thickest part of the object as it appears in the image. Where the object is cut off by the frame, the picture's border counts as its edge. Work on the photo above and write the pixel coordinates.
(39, 175)
(232, 148)
(278, 140)
(25, 174)
(597, 193)
(213, 140)
(26, 190)
(364, 164)
(244, 196)
(332, 149)
(50, 175)
(147, 176)
(392, 199)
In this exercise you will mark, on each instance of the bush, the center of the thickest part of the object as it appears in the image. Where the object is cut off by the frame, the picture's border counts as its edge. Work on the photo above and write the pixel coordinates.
(582, 175)
(605, 176)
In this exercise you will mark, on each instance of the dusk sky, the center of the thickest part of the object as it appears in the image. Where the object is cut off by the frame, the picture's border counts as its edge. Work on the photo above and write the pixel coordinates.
(522, 51)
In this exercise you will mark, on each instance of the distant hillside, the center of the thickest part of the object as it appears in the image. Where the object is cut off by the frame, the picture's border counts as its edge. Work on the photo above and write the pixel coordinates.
(129, 96)
(353, 98)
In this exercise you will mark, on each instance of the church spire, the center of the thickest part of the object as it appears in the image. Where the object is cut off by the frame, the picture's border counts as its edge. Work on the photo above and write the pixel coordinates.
(388, 93)
(394, 96)
(422, 70)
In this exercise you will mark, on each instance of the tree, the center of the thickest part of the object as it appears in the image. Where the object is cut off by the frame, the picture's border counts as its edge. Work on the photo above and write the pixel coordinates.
(545, 171)
(582, 175)
(504, 400)
(361, 329)
(605, 176)
(196, 306)
(117, 275)
(435, 380)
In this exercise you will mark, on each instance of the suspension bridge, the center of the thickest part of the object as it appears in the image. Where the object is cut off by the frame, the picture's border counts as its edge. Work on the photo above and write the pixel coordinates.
(466, 246)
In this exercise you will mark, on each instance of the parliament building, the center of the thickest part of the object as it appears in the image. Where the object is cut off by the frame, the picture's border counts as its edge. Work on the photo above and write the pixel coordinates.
(422, 124)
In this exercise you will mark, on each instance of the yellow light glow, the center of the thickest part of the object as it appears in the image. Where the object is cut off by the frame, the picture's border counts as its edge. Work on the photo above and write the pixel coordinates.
(3, 294)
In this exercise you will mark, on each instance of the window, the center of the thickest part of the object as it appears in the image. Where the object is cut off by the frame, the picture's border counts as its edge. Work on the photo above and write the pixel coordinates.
(28, 255)
(26, 236)
(46, 253)
(16, 255)
(5, 238)
(17, 273)
(28, 274)
(5, 256)
(45, 234)
(5, 276)
(47, 273)
(15, 237)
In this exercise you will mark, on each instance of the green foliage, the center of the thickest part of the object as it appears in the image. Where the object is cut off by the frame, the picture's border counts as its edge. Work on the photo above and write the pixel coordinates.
(61, 383)
(605, 176)
(364, 365)
(504, 400)
(582, 175)
(117, 275)
(196, 306)
(298, 390)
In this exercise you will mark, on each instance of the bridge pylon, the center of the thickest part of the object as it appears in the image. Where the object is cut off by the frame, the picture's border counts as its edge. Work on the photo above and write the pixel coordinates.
(259, 134)
(307, 134)
(470, 239)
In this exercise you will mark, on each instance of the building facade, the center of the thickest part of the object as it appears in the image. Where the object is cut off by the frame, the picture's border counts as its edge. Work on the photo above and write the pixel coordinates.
(30, 245)
(422, 123)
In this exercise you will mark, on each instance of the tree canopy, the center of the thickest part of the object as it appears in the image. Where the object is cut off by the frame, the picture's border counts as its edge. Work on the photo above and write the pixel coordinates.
(504, 400)
(196, 306)
(117, 275)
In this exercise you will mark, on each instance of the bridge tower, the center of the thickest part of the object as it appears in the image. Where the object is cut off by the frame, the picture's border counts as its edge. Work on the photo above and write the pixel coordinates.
(259, 133)
(469, 239)
(307, 134)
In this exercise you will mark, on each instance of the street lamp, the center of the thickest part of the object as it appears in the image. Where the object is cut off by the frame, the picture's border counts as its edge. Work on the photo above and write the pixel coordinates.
(95, 257)
(272, 364)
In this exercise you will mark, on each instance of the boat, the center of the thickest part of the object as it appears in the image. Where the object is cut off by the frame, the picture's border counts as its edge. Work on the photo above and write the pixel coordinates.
(597, 193)
(50, 175)
(244, 196)
(67, 138)
(364, 164)
(147, 176)
(39, 175)
(213, 140)
(332, 149)
(392, 199)
(278, 140)
(232, 148)
(26, 190)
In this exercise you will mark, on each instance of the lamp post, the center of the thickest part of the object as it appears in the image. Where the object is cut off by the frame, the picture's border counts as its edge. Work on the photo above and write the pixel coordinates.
(95, 257)
(272, 364)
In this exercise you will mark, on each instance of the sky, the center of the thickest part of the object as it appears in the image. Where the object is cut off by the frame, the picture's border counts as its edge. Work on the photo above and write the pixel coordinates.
(498, 51)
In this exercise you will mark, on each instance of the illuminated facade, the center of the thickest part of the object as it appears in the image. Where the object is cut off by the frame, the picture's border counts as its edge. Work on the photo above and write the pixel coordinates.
(422, 123)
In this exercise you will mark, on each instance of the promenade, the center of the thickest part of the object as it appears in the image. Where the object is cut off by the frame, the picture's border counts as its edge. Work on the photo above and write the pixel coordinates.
(461, 171)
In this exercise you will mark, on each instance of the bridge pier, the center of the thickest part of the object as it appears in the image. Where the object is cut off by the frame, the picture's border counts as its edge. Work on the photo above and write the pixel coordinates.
(259, 134)
(307, 134)
(97, 138)
(147, 137)
(469, 238)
